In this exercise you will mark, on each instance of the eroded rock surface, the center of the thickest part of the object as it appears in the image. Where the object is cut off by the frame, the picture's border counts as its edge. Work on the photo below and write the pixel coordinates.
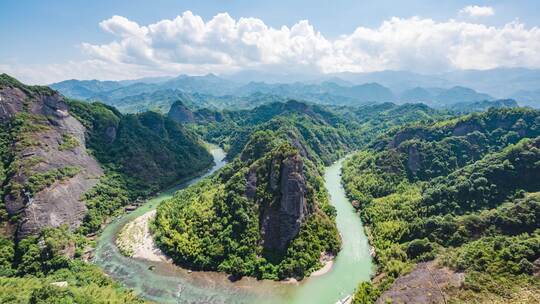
(413, 159)
(426, 284)
(180, 113)
(281, 221)
(60, 203)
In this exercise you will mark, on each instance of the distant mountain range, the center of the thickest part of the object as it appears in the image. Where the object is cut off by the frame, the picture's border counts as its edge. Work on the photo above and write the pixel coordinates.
(114, 90)
(438, 97)
(528, 98)
(500, 82)
(479, 106)
(339, 89)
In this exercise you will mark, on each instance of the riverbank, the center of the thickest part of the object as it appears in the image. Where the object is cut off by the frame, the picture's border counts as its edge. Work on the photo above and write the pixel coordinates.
(135, 240)
(163, 282)
(323, 270)
(327, 261)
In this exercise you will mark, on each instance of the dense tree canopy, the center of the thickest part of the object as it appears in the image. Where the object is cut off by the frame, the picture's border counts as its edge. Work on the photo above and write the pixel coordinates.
(214, 225)
(459, 190)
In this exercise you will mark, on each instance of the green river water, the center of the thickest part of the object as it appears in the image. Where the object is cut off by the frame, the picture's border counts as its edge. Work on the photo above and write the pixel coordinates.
(167, 283)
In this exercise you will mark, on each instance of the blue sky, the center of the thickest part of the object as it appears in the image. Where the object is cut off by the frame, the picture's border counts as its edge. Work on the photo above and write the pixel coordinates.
(38, 34)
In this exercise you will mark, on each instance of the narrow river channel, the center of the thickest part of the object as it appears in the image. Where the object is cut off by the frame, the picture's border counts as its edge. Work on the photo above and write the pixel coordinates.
(163, 282)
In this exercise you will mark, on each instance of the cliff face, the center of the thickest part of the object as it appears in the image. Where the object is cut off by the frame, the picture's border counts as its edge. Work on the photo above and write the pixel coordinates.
(180, 113)
(48, 168)
(281, 220)
(265, 214)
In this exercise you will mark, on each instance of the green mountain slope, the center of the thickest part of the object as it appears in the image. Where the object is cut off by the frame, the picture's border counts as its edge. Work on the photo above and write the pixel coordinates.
(448, 191)
(151, 149)
(328, 132)
(66, 167)
(265, 215)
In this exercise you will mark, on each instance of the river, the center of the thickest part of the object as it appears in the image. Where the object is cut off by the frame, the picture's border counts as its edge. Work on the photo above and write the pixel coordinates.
(163, 282)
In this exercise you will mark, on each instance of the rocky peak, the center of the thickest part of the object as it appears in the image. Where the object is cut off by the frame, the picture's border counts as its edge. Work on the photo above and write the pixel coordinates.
(406, 134)
(180, 113)
(465, 127)
(282, 219)
(51, 168)
(413, 159)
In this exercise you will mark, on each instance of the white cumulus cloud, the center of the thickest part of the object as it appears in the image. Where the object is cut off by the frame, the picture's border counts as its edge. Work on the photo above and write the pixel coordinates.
(478, 11)
(191, 45)
(224, 44)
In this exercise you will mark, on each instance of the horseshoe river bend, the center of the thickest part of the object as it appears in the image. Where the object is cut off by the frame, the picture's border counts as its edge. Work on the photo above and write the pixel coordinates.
(163, 282)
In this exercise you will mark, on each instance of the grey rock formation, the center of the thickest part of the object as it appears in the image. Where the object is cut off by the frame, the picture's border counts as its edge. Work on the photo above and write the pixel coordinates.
(405, 135)
(464, 128)
(111, 133)
(427, 283)
(251, 186)
(180, 113)
(281, 221)
(61, 202)
(413, 159)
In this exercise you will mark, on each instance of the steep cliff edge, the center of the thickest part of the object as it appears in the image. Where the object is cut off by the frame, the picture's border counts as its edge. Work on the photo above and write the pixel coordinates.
(53, 150)
(53, 193)
(281, 220)
(266, 215)
(47, 168)
(180, 113)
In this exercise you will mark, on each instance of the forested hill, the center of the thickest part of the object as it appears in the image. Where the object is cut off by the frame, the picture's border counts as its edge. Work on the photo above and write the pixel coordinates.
(269, 211)
(49, 152)
(149, 148)
(66, 168)
(266, 215)
(462, 192)
(316, 132)
(325, 133)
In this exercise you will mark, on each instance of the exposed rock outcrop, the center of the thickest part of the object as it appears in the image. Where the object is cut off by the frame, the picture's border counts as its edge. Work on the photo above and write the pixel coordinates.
(405, 135)
(44, 149)
(180, 113)
(426, 284)
(464, 128)
(281, 220)
(413, 159)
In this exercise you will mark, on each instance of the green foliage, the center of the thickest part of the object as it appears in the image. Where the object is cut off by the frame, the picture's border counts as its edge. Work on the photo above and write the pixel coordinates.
(324, 133)
(365, 293)
(16, 135)
(39, 290)
(28, 268)
(8, 81)
(104, 200)
(467, 184)
(486, 183)
(47, 252)
(321, 133)
(214, 225)
(68, 142)
(420, 249)
(141, 154)
(498, 255)
(7, 253)
(52, 294)
(481, 287)
(6, 156)
(40, 181)
(150, 149)
(318, 234)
